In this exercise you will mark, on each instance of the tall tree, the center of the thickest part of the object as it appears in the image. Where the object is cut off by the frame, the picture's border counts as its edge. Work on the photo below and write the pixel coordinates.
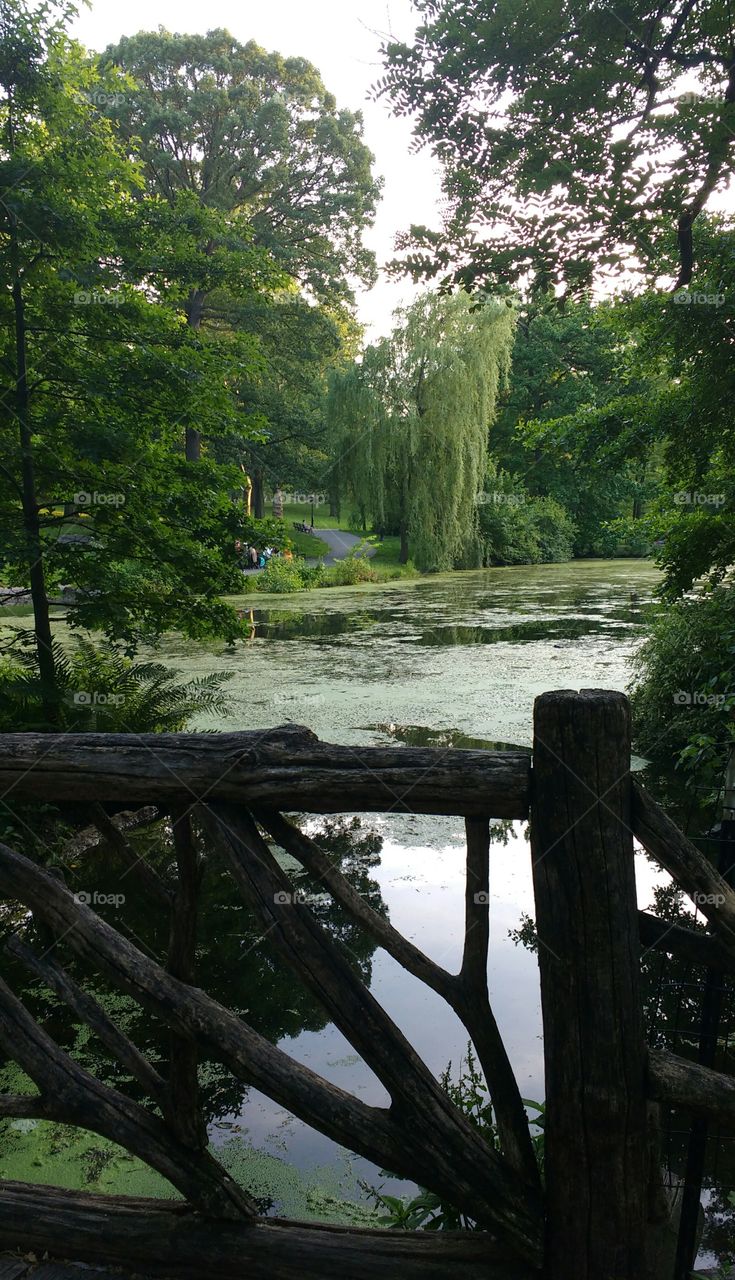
(569, 426)
(568, 137)
(93, 374)
(414, 415)
(255, 135)
(299, 343)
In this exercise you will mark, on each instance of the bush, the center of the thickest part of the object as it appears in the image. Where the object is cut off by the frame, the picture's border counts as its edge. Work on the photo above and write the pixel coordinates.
(313, 575)
(101, 691)
(516, 528)
(350, 571)
(281, 577)
(684, 691)
(266, 532)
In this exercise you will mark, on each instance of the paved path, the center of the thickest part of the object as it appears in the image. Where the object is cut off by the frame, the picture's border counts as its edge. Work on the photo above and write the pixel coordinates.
(340, 543)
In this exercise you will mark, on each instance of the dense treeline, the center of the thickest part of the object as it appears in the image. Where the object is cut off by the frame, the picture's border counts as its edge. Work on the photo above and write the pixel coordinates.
(580, 156)
(181, 229)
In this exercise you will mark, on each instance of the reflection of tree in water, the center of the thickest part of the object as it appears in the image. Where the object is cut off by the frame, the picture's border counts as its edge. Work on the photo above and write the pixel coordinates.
(235, 962)
(291, 624)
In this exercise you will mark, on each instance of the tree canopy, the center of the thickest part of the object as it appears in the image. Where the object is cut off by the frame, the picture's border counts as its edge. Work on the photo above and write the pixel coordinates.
(569, 140)
(254, 133)
(413, 417)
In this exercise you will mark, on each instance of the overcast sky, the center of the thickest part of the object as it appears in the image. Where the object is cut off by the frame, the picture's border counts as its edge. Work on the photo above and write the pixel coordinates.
(342, 38)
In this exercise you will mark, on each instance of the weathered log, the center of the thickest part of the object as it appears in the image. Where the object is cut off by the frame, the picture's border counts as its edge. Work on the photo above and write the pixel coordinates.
(75, 1097)
(691, 1087)
(287, 768)
(696, 948)
(443, 1146)
(24, 1106)
(367, 1130)
(472, 1004)
(315, 861)
(167, 1237)
(89, 838)
(465, 992)
(688, 866)
(91, 1013)
(587, 924)
(113, 834)
(183, 1111)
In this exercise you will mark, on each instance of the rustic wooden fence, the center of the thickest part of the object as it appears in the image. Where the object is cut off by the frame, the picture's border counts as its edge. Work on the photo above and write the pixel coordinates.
(601, 1208)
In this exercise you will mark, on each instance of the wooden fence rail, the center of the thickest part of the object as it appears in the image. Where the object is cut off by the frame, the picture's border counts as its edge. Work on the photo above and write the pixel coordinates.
(599, 1213)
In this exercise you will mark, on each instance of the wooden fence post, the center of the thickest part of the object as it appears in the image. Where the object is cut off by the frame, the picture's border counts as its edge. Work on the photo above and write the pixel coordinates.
(595, 1057)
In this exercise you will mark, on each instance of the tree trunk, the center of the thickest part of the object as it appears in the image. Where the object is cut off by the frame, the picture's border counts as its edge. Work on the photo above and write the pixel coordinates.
(34, 548)
(258, 493)
(194, 311)
(403, 557)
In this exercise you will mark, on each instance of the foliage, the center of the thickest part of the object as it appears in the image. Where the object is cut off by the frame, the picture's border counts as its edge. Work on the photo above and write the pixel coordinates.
(102, 691)
(571, 422)
(427, 1211)
(573, 138)
(280, 577)
(284, 576)
(352, 569)
(684, 695)
(413, 417)
(94, 490)
(270, 531)
(252, 131)
(516, 528)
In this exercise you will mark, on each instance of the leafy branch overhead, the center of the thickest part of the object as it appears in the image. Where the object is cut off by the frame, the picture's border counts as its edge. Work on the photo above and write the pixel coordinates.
(574, 139)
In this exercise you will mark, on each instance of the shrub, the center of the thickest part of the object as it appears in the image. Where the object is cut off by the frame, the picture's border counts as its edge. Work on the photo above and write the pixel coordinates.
(516, 528)
(281, 577)
(350, 571)
(99, 690)
(683, 694)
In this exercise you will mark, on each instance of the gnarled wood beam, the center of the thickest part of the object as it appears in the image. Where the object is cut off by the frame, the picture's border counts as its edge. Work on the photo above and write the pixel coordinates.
(691, 870)
(465, 992)
(688, 944)
(285, 768)
(691, 1087)
(136, 865)
(91, 1013)
(362, 1128)
(72, 1096)
(448, 1153)
(167, 1236)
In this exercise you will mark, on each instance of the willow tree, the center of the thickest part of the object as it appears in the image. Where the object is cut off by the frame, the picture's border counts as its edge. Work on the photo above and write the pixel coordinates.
(412, 420)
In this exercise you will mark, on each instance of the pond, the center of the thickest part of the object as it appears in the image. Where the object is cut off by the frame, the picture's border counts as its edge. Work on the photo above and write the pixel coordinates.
(453, 660)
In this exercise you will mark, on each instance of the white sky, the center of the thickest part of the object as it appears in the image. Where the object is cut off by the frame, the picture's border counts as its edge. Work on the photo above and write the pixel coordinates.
(342, 38)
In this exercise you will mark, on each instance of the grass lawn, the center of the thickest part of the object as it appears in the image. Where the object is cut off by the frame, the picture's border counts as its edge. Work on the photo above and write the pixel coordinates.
(386, 560)
(322, 518)
(305, 544)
